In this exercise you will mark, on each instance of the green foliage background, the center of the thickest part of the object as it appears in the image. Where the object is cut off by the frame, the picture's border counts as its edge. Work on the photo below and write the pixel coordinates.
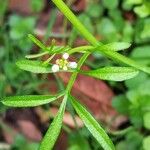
(113, 21)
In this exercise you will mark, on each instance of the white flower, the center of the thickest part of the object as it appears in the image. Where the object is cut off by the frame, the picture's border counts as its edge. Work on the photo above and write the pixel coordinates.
(65, 56)
(55, 68)
(65, 68)
(72, 65)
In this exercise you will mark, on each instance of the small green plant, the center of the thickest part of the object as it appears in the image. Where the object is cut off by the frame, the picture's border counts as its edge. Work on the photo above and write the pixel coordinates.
(112, 73)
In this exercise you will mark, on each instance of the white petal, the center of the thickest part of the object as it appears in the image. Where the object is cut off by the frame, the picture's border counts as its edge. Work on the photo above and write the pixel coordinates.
(55, 68)
(65, 56)
(65, 68)
(72, 65)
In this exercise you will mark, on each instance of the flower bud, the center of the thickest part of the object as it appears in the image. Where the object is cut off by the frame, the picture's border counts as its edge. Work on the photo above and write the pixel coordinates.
(65, 56)
(72, 65)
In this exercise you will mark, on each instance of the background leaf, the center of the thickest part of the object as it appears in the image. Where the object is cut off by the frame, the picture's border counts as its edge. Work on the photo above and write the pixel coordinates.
(112, 73)
(121, 104)
(147, 120)
(92, 125)
(146, 143)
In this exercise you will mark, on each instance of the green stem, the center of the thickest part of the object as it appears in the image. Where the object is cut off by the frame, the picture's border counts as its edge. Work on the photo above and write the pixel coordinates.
(80, 49)
(77, 24)
(74, 75)
(49, 59)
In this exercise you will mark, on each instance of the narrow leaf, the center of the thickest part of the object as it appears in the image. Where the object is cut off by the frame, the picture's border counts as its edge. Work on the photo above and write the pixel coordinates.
(37, 42)
(117, 46)
(54, 129)
(29, 100)
(112, 73)
(36, 55)
(34, 66)
(93, 126)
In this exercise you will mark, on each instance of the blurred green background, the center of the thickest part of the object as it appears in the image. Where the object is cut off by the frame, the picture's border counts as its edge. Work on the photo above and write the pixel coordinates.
(109, 21)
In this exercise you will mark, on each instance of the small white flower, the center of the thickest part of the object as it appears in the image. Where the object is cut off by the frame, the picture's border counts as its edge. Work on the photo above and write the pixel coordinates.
(65, 56)
(72, 65)
(65, 68)
(55, 68)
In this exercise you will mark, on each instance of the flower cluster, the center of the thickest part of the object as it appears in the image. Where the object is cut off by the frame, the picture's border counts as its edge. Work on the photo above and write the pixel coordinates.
(63, 64)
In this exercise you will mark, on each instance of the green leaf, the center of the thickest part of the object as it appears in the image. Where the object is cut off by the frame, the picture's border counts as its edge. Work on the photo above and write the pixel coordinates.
(94, 10)
(92, 125)
(37, 42)
(29, 100)
(112, 73)
(110, 4)
(54, 129)
(20, 26)
(133, 2)
(145, 34)
(117, 46)
(36, 55)
(87, 21)
(77, 141)
(146, 143)
(128, 32)
(37, 5)
(136, 143)
(137, 81)
(142, 11)
(34, 66)
(146, 119)
(107, 29)
(121, 104)
(141, 52)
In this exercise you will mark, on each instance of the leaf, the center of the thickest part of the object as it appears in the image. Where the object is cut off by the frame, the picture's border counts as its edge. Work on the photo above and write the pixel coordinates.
(146, 143)
(141, 52)
(142, 11)
(78, 142)
(34, 66)
(54, 129)
(146, 119)
(37, 42)
(87, 21)
(112, 73)
(121, 104)
(145, 34)
(110, 4)
(107, 30)
(94, 10)
(20, 26)
(29, 100)
(36, 55)
(92, 125)
(117, 46)
(37, 5)
(137, 81)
